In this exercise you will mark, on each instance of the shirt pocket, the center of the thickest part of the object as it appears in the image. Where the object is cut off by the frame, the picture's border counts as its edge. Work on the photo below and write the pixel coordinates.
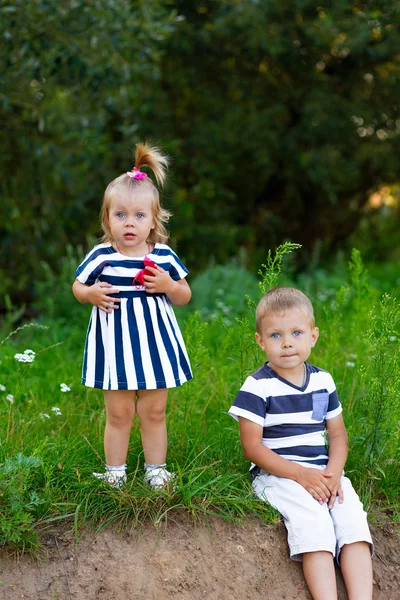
(320, 402)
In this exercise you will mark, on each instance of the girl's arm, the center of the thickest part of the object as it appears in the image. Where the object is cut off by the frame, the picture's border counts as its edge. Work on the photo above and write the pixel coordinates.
(315, 481)
(338, 450)
(178, 292)
(97, 294)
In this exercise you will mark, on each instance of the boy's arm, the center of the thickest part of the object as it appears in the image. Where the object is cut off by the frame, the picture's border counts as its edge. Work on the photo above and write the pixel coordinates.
(338, 450)
(315, 481)
(97, 294)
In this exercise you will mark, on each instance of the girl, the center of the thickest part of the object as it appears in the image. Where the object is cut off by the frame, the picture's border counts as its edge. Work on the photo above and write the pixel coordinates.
(134, 349)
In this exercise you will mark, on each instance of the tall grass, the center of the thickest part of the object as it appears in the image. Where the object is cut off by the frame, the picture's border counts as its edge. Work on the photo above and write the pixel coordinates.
(51, 434)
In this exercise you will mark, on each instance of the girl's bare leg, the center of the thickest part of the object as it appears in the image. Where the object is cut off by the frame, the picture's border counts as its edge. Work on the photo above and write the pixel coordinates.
(356, 565)
(319, 573)
(150, 408)
(120, 410)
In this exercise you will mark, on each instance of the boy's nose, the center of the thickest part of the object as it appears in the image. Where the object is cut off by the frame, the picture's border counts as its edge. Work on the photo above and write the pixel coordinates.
(286, 343)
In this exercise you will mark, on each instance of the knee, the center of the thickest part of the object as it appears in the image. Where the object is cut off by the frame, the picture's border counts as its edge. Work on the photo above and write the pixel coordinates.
(153, 415)
(119, 418)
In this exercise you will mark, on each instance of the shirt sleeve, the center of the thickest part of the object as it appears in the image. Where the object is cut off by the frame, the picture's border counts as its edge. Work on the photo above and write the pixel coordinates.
(248, 403)
(334, 406)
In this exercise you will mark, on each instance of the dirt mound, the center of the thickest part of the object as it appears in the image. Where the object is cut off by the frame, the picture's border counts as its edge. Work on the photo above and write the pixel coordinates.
(213, 560)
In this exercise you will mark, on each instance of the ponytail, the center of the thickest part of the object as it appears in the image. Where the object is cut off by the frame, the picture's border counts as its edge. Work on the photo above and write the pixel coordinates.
(147, 155)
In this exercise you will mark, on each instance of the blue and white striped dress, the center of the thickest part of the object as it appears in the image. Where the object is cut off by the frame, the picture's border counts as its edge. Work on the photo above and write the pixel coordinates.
(138, 346)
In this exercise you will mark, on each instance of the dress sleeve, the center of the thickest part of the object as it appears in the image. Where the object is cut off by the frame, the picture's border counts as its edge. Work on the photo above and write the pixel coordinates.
(92, 266)
(171, 262)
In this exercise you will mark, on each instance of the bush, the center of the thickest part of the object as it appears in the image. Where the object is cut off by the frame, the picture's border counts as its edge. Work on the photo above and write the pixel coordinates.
(221, 290)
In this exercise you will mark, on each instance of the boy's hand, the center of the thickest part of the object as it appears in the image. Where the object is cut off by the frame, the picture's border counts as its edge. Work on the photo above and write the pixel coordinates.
(99, 295)
(335, 488)
(316, 482)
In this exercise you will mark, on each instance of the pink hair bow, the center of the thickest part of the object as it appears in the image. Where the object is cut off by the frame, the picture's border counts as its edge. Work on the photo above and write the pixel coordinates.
(136, 174)
(139, 277)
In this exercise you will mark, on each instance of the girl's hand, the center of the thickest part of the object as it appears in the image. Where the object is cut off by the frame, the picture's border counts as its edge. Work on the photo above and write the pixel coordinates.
(316, 482)
(160, 282)
(99, 295)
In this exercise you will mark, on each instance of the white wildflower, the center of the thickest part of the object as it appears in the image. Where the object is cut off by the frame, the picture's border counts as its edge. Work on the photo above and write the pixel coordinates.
(64, 387)
(28, 356)
(10, 398)
(2, 388)
(350, 364)
(393, 338)
(56, 411)
(44, 416)
(353, 355)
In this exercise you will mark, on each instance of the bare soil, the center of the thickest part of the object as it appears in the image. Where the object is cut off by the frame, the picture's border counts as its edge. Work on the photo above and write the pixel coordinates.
(216, 560)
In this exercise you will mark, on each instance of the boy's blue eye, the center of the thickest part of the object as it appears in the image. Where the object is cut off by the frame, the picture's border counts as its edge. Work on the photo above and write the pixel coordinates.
(275, 336)
(297, 333)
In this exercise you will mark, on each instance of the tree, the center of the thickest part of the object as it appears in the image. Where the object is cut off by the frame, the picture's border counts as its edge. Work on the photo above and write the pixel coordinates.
(287, 116)
(78, 81)
(281, 117)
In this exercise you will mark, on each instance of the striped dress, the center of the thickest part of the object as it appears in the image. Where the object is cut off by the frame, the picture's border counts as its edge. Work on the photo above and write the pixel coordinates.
(138, 346)
(293, 418)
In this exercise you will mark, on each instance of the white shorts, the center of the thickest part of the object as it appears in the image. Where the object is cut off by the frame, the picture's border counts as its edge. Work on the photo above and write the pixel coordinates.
(311, 526)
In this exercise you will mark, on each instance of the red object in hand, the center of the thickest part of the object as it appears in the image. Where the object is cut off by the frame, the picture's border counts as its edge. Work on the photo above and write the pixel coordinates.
(139, 277)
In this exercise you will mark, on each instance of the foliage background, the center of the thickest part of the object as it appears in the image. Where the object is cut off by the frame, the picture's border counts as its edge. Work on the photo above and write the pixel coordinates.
(282, 119)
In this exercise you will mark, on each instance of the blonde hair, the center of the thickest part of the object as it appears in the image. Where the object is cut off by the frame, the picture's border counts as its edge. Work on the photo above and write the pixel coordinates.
(279, 300)
(146, 155)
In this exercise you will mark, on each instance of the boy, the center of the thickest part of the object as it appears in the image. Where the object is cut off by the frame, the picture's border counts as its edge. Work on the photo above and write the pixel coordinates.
(283, 410)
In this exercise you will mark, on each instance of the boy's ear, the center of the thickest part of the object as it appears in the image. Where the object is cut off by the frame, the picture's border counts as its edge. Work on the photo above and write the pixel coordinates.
(259, 341)
(314, 336)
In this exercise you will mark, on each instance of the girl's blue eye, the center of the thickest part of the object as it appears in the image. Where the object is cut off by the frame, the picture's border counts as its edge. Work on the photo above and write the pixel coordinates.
(139, 215)
(120, 215)
(297, 333)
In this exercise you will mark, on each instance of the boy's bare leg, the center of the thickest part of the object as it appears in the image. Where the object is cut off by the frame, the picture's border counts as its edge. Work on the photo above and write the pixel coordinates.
(150, 408)
(356, 565)
(319, 573)
(120, 410)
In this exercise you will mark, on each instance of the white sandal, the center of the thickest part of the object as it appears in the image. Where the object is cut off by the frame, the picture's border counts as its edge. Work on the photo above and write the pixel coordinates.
(158, 478)
(114, 477)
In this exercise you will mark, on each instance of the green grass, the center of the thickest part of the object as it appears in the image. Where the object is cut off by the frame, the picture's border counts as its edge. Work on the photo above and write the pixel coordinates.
(47, 458)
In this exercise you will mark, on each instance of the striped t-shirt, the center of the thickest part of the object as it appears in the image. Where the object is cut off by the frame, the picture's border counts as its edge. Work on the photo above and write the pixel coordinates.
(293, 418)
